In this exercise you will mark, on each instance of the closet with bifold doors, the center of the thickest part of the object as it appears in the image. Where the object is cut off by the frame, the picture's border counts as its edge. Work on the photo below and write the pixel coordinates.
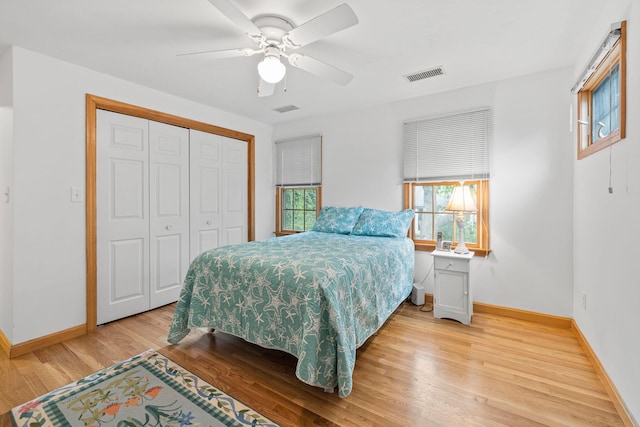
(164, 194)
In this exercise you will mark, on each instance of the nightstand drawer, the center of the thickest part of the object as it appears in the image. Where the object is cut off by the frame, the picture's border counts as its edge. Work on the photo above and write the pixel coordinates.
(451, 264)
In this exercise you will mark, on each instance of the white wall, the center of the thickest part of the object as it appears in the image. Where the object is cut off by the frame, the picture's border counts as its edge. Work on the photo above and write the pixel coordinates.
(607, 228)
(49, 158)
(531, 184)
(6, 217)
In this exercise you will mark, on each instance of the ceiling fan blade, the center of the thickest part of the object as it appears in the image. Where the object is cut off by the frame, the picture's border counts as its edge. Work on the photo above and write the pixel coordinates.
(221, 54)
(265, 89)
(319, 68)
(231, 11)
(321, 26)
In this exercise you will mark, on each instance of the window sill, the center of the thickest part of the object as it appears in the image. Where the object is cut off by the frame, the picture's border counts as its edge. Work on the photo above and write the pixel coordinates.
(430, 248)
(605, 142)
(286, 233)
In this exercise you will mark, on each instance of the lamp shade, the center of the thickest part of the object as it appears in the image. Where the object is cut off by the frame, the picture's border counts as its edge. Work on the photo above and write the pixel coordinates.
(461, 200)
(271, 70)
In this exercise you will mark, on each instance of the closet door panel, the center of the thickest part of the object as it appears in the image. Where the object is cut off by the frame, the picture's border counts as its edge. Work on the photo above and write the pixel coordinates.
(169, 268)
(205, 184)
(234, 190)
(126, 275)
(207, 239)
(122, 216)
(169, 211)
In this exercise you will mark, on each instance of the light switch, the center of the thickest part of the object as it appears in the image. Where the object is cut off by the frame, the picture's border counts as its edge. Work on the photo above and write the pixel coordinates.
(77, 194)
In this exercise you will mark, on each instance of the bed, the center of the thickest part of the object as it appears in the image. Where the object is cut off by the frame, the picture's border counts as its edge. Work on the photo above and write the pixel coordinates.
(317, 295)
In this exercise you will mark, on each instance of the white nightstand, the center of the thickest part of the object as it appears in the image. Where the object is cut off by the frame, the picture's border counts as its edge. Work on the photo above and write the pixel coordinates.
(452, 296)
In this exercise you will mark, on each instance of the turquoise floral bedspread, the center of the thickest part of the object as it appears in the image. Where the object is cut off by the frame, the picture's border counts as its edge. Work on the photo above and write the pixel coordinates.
(318, 296)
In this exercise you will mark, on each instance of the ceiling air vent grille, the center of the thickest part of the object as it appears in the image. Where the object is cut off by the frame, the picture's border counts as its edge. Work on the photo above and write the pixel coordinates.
(286, 108)
(425, 74)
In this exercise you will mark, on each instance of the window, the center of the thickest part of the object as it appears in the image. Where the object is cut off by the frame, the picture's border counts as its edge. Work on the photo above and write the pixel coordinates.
(429, 200)
(439, 153)
(298, 184)
(601, 91)
(299, 208)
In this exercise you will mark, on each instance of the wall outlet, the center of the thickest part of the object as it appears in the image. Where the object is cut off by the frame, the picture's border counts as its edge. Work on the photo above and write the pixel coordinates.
(584, 300)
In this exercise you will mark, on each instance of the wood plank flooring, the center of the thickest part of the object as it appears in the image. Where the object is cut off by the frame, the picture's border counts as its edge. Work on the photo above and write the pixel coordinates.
(416, 371)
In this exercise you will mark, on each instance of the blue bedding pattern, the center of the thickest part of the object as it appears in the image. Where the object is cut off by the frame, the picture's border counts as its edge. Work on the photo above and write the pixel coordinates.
(317, 296)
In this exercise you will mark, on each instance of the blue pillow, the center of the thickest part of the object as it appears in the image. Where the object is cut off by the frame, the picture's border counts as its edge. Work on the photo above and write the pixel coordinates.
(337, 220)
(374, 222)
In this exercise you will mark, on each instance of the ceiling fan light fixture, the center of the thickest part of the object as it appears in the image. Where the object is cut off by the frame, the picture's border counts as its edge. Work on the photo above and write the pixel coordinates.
(270, 69)
(274, 35)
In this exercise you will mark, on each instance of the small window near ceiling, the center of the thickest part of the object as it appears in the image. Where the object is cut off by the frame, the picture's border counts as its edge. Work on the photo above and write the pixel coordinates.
(298, 184)
(601, 94)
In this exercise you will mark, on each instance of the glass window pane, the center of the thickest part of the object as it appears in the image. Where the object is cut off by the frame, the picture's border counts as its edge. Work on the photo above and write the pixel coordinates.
(309, 219)
(298, 220)
(471, 228)
(287, 199)
(423, 199)
(605, 100)
(310, 199)
(615, 99)
(424, 226)
(298, 199)
(444, 223)
(287, 220)
(442, 197)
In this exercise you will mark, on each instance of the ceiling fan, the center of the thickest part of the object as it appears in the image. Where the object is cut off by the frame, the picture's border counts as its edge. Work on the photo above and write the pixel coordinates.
(275, 35)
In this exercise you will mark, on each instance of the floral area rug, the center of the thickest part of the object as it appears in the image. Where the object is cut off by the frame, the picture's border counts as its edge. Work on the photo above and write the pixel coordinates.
(146, 390)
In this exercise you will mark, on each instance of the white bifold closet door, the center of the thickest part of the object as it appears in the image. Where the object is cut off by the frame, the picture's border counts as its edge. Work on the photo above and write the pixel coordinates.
(218, 188)
(234, 191)
(142, 222)
(168, 211)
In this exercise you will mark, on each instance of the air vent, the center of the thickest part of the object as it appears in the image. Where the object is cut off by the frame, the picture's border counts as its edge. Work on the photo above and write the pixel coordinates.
(425, 74)
(286, 108)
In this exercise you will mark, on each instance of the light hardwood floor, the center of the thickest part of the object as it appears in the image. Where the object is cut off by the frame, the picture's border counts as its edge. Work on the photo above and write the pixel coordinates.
(416, 371)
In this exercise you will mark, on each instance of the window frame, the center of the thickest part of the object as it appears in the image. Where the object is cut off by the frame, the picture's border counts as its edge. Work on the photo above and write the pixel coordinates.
(298, 166)
(615, 57)
(280, 208)
(482, 247)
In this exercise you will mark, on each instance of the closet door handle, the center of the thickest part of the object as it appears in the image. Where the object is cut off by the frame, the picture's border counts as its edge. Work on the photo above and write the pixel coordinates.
(168, 227)
(208, 222)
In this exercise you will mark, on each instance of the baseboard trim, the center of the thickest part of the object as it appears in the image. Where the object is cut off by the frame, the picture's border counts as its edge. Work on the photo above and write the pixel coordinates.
(564, 323)
(5, 344)
(611, 389)
(514, 313)
(532, 316)
(42, 342)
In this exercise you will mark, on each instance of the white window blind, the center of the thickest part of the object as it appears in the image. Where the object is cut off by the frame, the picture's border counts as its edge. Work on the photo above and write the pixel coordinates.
(299, 161)
(448, 148)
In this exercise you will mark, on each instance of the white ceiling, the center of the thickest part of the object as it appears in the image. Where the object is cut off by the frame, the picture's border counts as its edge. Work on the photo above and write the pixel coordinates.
(475, 41)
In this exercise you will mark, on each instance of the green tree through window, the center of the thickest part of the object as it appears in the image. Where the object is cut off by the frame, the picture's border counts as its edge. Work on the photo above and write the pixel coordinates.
(429, 200)
(299, 208)
(431, 216)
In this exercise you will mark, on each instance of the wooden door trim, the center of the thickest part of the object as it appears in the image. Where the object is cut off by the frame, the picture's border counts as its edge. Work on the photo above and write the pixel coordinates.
(94, 103)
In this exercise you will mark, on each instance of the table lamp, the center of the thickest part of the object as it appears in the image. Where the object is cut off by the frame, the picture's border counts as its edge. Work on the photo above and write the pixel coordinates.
(461, 202)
